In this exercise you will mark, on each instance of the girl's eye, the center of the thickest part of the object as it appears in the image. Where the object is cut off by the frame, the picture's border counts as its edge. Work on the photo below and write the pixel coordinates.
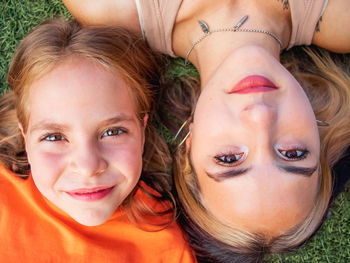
(294, 154)
(113, 132)
(229, 159)
(53, 137)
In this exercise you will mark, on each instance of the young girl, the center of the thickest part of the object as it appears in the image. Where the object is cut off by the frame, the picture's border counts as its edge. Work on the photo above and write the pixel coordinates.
(254, 173)
(75, 133)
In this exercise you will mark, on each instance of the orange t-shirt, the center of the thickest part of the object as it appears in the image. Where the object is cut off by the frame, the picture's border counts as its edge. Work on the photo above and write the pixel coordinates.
(34, 230)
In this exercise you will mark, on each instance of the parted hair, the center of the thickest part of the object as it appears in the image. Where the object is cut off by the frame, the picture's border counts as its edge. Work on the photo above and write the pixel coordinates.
(117, 50)
(325, 78)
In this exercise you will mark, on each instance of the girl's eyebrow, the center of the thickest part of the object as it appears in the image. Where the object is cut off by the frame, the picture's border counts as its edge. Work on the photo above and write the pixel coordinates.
(121, 117)
(50, 125)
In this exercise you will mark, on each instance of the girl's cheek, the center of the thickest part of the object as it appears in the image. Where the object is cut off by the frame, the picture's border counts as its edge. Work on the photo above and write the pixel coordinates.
(125, 157)
(52, 159)
(127, 152)
(46, 167)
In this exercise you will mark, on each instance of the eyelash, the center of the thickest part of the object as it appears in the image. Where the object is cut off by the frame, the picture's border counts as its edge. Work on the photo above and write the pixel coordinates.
(120, 131)
(46, 136)
(304, 154)
(219, 158)
(63, 138)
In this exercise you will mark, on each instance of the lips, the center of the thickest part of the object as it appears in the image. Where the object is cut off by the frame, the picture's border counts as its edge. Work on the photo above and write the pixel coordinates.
(253, 84)
(90, 194)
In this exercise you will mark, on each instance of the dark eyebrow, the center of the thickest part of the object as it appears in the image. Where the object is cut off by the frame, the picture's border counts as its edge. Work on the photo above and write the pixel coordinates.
(218, 177)
(305, 171)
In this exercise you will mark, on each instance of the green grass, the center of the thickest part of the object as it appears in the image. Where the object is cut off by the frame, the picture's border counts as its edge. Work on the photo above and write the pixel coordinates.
(331, 243)
(17, 18)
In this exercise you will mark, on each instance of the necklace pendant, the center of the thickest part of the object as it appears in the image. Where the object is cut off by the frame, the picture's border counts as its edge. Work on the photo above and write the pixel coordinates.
(207, 32)
(204, 26)
(241, 22)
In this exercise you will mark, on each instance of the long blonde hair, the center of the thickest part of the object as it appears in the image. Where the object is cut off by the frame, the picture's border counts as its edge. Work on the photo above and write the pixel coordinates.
(117, 50)
(326, 80)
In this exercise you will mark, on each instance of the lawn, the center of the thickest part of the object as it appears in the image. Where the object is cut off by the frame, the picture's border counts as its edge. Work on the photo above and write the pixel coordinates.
(330, 244)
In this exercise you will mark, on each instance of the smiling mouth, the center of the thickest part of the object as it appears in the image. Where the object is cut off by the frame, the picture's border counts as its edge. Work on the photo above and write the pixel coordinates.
(253, 84)
(90, 194)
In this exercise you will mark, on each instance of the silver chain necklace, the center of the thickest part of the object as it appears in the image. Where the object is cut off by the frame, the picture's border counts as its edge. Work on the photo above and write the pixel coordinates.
(236, 28)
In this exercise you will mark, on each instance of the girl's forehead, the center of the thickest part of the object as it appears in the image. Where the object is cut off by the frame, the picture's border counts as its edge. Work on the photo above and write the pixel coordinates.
(79, 88)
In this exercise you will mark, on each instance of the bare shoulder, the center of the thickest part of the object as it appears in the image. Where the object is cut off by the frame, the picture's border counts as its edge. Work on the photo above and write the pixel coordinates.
(333, 29)
(105, 12)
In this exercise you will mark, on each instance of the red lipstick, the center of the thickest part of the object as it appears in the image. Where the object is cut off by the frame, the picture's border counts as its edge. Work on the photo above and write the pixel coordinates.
(90, 194)
(253, 84)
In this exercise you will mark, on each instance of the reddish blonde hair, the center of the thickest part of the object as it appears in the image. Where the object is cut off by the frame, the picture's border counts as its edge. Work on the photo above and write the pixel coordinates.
(117, 50)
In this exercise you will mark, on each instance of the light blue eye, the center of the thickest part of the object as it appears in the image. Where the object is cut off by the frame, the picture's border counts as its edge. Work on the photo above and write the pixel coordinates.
(113, 132)
(53, 137)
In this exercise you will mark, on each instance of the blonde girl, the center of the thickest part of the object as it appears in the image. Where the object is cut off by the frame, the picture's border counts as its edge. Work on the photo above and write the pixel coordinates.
(83, 171)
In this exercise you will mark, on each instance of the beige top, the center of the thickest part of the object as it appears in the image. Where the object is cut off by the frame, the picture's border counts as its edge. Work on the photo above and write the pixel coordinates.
(157, 19)
(305, 16)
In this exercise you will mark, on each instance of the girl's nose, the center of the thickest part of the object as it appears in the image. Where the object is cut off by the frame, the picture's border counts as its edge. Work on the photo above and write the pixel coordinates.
(87, 160)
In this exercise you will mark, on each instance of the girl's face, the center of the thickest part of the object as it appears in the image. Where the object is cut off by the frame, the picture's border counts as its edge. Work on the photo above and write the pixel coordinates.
(84, 140)
(256, 151)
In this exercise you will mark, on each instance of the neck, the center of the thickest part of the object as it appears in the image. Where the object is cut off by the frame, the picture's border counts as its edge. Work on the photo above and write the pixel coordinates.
(208, 54)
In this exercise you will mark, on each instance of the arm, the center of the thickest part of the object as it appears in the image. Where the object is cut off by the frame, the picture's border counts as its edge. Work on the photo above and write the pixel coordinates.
(105, 12)
(334, 29)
